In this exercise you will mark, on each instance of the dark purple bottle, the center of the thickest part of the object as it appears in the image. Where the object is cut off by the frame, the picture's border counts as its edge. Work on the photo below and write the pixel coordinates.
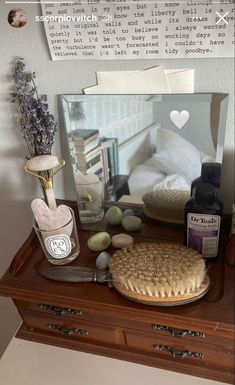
(210, 173)
(202, 220)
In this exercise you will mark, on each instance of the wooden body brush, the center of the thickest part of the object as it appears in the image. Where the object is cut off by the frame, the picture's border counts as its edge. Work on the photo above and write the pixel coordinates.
(160, 273)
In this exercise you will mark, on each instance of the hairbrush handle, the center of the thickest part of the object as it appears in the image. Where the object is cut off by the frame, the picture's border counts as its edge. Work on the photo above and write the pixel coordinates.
(76, 274)
(178, 354)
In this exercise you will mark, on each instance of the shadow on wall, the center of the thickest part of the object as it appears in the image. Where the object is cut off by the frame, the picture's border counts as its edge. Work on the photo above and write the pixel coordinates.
(9, 323)
(16, 191)
(16, 221)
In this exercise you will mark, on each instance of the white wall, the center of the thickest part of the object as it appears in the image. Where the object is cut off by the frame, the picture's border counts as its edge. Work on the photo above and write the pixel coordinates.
(18, 189)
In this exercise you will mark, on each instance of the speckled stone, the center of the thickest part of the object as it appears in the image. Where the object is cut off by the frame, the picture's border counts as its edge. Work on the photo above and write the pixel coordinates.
(99, 242)
(102, 261)
(114, 215)
(128, 212)
(122, 240)
(131, 223)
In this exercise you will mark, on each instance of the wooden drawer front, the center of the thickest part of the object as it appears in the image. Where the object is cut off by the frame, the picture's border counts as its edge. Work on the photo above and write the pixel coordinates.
(63, 312)
(53, 309)
(180, 349)
(190, 333)
(78, 330)
(72, 313)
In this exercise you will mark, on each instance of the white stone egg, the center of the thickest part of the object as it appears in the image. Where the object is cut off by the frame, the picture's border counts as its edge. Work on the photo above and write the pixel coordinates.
(102, 261)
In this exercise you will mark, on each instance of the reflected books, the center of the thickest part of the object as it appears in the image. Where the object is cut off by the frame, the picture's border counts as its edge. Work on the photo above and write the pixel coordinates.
(109, 147)
(85, 140)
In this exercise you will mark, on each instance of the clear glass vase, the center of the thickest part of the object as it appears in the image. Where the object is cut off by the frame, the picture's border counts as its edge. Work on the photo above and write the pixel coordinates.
(60, 245)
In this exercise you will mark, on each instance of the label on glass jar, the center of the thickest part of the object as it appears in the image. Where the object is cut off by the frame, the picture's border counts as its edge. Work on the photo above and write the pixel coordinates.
(203, 233)
(58, 246)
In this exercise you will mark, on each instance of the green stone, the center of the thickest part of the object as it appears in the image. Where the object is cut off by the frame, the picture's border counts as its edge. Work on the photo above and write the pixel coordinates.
(99, 242)
(114, 215)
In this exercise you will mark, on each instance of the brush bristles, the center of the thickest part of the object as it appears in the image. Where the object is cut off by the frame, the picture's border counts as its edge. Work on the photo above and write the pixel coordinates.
(158, 269)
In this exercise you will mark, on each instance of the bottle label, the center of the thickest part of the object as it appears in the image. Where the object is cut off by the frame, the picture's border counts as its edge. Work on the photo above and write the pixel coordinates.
(58, 246)
(203, 233)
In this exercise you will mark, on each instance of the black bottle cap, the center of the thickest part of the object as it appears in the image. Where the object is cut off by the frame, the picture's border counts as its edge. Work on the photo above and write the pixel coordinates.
(205, 193)
(211, 170)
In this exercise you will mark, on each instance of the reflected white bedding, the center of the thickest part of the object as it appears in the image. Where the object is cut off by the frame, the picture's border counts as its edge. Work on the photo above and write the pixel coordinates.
(173, 166)
(146, 177)
(172, 182)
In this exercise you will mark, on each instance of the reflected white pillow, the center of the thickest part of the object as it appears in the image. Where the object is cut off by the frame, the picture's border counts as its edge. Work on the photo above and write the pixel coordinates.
(176, 155)
(144, 177)
(207, 158)
(172, 182)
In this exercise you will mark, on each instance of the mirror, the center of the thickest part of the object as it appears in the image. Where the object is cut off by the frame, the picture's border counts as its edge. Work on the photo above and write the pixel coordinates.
(144, 143)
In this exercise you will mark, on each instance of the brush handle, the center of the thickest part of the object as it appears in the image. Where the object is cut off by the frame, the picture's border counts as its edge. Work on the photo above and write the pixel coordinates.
(76, 274)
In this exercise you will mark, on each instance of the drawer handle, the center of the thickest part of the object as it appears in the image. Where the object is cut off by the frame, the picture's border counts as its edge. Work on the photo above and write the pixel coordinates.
(178, 332)
(60, 310)
(179, 355)
(68, 331)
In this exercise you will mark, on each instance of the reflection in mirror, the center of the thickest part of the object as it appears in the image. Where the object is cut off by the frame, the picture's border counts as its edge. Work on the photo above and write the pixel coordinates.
(144, 143)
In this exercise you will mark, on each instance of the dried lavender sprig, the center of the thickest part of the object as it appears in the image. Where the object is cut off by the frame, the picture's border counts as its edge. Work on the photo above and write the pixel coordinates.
(38, 126)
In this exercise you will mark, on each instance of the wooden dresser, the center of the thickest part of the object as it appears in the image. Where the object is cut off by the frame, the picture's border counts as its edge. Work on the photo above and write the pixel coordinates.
(195, 339)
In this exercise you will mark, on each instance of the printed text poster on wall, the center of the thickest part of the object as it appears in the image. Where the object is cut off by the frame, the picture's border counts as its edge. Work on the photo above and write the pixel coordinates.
(137, 29)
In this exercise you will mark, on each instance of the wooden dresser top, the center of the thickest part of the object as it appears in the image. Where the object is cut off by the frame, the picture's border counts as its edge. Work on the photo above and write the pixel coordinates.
(215, 311)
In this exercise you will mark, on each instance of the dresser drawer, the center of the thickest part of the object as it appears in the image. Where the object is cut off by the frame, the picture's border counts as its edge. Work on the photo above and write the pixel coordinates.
(60, 311)
(77, 330)
(78, 313)
(160, 328)
(180, 349)
(180, 330)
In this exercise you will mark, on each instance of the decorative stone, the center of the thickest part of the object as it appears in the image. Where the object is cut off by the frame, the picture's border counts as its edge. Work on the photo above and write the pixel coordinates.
(128, 212)
(131, 223)
(48, 219)
(114, 215)
(102, 261)
(99, 242)
(122, 240)
(42, 163)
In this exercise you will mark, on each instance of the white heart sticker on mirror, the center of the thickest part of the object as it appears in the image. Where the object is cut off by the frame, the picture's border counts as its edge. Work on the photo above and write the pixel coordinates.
(179, 118)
